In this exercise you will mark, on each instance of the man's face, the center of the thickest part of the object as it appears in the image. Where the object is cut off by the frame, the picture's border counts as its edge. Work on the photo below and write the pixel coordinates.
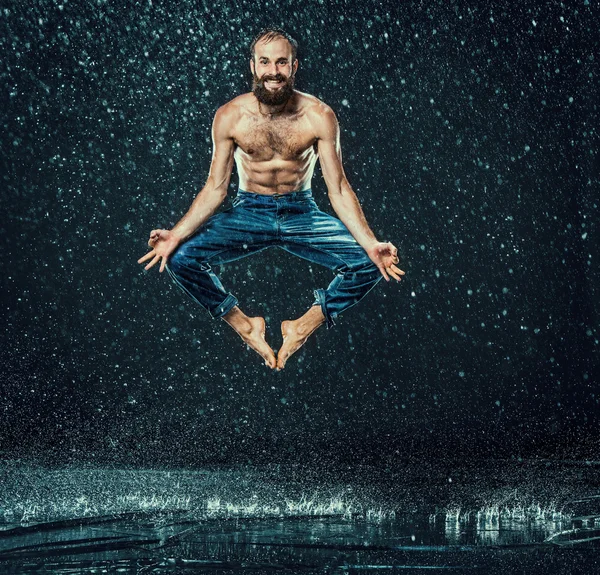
(273, 72)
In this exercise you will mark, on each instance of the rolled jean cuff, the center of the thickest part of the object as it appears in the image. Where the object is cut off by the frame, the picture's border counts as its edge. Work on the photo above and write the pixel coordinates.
(224, 308)
(320, 298)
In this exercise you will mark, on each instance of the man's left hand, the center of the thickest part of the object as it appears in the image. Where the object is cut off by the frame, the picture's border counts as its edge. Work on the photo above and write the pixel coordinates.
(385, 255)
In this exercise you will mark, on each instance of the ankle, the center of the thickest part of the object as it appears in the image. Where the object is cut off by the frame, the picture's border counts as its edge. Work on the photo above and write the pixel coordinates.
(239, 321)
(308, 323)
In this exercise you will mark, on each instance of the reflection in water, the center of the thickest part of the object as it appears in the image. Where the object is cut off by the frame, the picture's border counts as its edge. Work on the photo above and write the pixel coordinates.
(284, 518)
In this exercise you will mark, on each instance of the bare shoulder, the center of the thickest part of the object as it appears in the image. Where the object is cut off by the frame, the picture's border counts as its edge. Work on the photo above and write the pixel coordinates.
(242, 105)
(313, 106)
(229, 113)
(321, 116)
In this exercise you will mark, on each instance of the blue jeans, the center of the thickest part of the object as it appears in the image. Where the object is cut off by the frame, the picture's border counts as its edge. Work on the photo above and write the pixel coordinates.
(290, 221)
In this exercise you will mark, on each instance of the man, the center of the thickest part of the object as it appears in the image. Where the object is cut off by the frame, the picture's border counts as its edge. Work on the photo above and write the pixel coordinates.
(275, 135)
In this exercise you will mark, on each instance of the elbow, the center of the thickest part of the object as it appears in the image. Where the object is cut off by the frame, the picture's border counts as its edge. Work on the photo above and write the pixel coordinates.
(221, 194)
(216, 190)
(338, 188)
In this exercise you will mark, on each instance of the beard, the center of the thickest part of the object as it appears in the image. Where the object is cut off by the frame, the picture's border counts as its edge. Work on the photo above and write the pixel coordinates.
(273, 98)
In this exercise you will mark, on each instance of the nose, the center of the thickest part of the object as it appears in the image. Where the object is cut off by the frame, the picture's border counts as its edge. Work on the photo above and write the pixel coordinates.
(271, 69)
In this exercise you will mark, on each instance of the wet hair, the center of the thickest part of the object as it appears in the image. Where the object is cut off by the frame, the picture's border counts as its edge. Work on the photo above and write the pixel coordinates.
(271, 33)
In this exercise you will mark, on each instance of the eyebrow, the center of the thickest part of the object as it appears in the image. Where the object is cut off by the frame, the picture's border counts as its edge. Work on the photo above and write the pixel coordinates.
(280, 58)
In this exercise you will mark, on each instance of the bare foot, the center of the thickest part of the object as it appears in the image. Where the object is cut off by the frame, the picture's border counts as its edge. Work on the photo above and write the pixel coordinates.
(252, 331)
(296, 332)
(256, 340)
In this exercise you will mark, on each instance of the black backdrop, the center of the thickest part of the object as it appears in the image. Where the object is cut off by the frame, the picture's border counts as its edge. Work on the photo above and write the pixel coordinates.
(469, 133)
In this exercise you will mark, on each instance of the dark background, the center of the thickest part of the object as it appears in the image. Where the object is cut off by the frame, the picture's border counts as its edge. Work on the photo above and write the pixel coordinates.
(469, 133)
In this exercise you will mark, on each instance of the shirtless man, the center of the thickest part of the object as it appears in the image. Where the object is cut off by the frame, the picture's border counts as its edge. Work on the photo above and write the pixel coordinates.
(275, 135)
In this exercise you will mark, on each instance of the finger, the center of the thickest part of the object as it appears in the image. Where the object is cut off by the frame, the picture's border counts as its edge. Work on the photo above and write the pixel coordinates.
(394, 274)
(153, 262)
(383, 273)
(397, 270)
(393, 250)
(146, 257)
(162, 265)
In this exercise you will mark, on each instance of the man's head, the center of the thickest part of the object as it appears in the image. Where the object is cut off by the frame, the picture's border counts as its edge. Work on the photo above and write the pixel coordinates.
(273, 63)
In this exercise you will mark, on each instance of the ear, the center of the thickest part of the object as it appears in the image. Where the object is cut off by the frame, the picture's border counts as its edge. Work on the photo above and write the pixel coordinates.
(295, 66)
(252, 65)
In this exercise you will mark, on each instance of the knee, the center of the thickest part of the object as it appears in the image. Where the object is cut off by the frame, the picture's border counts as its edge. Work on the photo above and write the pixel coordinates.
(367, 270)
(366, 265)
(185, 261)
(178, 261)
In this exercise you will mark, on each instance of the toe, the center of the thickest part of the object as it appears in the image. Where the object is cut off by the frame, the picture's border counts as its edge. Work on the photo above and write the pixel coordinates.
(281, 361)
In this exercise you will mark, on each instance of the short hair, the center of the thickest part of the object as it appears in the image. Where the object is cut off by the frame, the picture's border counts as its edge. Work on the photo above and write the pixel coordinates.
(271, 33)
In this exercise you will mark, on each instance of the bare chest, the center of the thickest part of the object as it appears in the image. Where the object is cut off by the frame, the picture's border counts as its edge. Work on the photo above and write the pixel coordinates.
(264, 139)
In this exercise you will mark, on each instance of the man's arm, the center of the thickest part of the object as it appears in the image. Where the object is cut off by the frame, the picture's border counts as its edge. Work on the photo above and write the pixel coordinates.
(215, 190)
(165, 242)
(344, 200)
(342, 197)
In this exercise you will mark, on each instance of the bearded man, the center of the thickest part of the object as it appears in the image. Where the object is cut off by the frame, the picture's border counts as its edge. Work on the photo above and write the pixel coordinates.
(275, 134)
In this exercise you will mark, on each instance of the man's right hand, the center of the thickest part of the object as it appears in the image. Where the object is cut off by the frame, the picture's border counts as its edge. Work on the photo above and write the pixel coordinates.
(164, 243)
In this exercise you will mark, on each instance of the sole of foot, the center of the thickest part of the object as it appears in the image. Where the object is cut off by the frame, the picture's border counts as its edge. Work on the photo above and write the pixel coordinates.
(256, 341)
(292, 342)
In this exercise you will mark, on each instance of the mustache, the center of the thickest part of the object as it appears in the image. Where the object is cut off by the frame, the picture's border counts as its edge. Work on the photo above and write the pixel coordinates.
(277, 78)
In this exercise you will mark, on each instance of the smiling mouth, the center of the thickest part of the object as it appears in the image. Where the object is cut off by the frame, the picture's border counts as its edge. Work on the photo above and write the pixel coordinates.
(273, 83)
